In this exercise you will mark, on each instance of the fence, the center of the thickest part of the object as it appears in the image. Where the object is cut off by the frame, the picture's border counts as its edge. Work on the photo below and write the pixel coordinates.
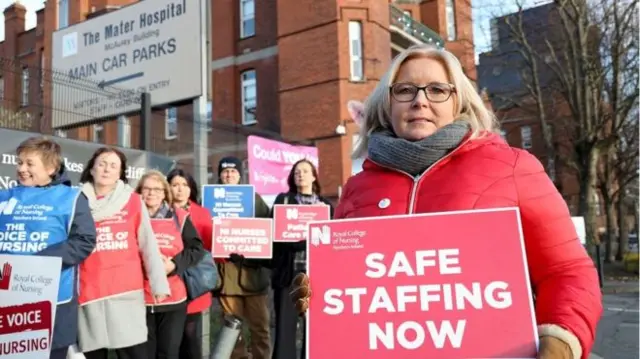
(55, 103)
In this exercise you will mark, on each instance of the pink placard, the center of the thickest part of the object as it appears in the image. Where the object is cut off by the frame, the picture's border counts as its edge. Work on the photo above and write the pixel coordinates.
(250, 237)
(270, 162)
(442, 285)
(290, 220)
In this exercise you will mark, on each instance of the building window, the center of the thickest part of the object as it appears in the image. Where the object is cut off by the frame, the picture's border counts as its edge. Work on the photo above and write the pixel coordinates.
(25, 86)
(525, 133)
(249, 97)
(495, 34)
(596, 203)
(247, 18)
(98, 133)
(124, 132)
(63, 13)
(171, 123)
(1, 88)
(451, 20)
(355, 50)
(209, 117)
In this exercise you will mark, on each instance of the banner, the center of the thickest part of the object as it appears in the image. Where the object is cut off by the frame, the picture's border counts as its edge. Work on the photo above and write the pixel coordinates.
(229, 200)
(270, 163)
(290, 221)
(250, 237)
(443, 285)
(28, 299)
(76, 154)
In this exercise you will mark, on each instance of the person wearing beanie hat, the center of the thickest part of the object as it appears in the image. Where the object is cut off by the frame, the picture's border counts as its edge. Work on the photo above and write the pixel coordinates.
(245, 282)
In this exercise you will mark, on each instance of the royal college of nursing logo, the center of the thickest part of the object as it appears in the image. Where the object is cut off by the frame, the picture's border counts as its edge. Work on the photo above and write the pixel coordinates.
(320, 235)
(219, 193)
(5, 276)
(7, 207)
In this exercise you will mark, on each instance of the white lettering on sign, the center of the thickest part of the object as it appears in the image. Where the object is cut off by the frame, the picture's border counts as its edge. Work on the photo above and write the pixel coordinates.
(452, 296)
(243, 240)
(15, 238)
(280, 155)
(109, 241)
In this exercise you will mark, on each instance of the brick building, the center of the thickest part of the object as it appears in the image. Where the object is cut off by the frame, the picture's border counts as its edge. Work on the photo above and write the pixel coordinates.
(281, 69)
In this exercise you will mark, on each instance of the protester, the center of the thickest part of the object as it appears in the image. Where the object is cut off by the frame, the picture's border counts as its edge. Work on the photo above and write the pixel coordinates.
(245, 282)
(185, 195)
(43, 183)
(432, 148)
(112, 303)
(181, 248)
(304, 188)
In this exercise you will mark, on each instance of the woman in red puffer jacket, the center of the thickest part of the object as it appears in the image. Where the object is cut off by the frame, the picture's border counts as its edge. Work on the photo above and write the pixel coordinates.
(185, 195)
(431, 148)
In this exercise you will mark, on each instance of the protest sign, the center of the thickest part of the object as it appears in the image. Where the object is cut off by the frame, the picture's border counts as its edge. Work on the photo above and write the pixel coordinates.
(250, 237)
(444, 285)
(28, 299)
(290, 220)
(234, 201)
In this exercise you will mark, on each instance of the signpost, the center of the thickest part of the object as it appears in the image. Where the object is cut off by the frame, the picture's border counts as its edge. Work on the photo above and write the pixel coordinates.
(148, 46)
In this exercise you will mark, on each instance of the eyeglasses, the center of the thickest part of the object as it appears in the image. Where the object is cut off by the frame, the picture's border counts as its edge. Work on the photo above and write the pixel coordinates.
(435, 92)
(155, 190)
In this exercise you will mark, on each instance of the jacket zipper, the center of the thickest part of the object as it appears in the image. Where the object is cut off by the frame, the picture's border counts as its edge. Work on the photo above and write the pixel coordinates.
(416, 180)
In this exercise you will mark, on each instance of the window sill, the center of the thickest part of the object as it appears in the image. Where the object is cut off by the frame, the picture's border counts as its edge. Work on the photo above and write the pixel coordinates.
(249, 123)
(356, 81)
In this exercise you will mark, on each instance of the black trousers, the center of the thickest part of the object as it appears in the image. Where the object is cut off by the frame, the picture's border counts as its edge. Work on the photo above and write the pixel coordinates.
(60, 353)
(165, 333)
(133, 352)
(191, 346)
(286, 325)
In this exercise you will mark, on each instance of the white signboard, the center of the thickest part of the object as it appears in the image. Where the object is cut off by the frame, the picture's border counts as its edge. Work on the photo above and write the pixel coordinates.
(107, 62)
(578, 222)
(28, 299)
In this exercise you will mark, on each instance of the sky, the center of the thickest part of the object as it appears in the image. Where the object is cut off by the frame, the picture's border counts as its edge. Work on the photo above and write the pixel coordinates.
(483, 11)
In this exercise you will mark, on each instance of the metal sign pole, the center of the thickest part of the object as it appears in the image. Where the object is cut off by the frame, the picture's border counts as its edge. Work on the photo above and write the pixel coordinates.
(200, 137)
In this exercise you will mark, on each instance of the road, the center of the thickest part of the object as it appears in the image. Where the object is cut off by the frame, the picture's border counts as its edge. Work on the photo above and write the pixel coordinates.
(617, 336)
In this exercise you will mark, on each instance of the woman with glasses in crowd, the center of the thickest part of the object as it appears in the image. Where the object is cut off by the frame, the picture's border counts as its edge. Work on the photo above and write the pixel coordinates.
(432, 146)
(181, 248)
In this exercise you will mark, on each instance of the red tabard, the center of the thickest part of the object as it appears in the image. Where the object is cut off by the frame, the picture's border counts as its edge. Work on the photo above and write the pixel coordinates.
(115, 267)
(168, 233)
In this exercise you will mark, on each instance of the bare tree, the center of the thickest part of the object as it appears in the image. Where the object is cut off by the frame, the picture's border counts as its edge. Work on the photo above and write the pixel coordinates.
(582, 53)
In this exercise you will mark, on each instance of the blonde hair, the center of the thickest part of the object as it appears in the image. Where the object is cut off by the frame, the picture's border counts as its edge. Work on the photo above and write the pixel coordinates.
(49, 150)
(157, 175)
(469, 105)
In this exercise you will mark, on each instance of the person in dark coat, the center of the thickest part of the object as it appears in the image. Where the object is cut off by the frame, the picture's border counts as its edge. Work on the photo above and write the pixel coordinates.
(245, 282)
(41, 170)
(304, 188)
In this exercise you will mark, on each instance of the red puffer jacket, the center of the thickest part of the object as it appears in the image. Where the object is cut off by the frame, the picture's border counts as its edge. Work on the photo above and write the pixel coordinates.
(201, 219)
(487, 173)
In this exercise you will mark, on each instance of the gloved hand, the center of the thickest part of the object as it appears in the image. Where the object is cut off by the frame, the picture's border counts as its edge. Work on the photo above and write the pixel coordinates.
(300, 292)
(554, 348)
(236, 258)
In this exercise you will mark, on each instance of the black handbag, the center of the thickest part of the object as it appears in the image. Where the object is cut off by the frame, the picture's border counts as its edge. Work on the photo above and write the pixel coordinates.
(202, 277)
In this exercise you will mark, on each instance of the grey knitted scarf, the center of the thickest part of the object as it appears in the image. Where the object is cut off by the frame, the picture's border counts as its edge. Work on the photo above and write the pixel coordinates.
(415, 157)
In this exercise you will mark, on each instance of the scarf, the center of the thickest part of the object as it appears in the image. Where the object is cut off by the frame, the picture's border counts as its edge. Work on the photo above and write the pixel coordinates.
(110, 204)
(388, 150)
(162, 212)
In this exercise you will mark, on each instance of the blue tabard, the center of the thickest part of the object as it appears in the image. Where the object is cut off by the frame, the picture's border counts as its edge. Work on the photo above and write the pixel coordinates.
(34, 211)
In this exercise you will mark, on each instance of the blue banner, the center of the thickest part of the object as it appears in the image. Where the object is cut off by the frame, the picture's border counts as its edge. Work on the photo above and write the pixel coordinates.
(229, 200)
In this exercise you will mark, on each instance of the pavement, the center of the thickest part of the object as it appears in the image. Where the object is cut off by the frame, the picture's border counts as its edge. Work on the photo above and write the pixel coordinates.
(617, 336)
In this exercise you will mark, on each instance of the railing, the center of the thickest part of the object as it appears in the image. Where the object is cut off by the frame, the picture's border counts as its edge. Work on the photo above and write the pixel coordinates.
(412, 27)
